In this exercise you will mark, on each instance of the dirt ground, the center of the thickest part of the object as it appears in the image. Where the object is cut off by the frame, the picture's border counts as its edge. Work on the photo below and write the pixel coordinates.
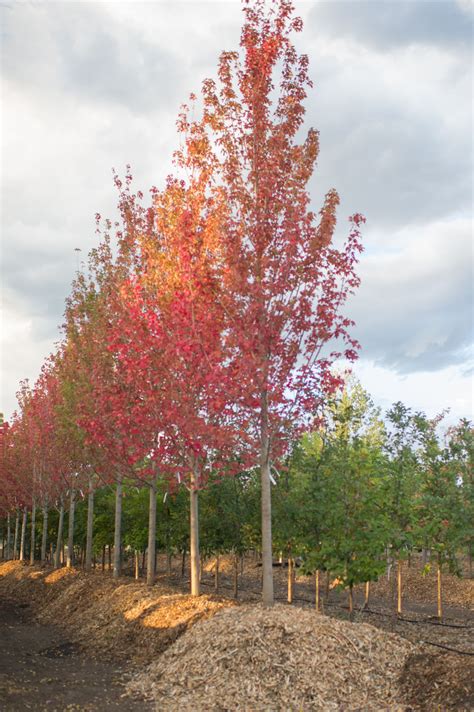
(41, 670)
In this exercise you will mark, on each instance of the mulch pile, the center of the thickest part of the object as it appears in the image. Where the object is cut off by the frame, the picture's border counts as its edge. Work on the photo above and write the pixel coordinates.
(120, 619)
(438, 681)
(251, 658)
(420, 586)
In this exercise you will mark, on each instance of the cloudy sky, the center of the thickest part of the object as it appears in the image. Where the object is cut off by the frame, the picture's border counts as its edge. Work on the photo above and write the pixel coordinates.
(88, 86)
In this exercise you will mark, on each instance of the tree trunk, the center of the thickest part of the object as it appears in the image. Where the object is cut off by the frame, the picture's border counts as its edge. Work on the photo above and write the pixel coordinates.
(183, 563)
(326, 590)
(236, 576)
(137, 565)
(44, 534)
(194, 533)
(57, 554)
(23, 535)
(399, 587)
(150, 570)
(316, 602)
(267, 554)
(103, 558)
(216, 575)
(70, 533)
(439, 599)
(290, 579)
(109, 557)
(90, 525)
(15, 540)
(33, 534)
(168, 563)
(9, 533)
(351, 601)
(367, 594)
(118, 529)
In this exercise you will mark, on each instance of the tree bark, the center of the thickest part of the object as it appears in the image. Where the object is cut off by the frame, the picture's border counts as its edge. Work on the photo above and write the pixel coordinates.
(8, 535)
(316, 600)
(351, 601)
(194, 533)
(290, 579)
(118, 529)
(15, 540)
(216, 575)
(70, 534)
(367, 594)
(168, 563)
(44, 533)
(150, 570)
(33, 534)
(90, 525)
(23, 534)
(267, 554)
(439, 598)
(236, 576)
(399, 587)
(57, 553)
(137, 565)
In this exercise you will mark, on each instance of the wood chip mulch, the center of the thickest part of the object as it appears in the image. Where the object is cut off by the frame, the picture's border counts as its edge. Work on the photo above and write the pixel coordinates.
(285, 659)
(438, 681)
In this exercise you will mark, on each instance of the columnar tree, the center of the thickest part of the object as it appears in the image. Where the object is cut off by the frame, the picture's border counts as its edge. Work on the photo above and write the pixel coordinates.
(284, 281)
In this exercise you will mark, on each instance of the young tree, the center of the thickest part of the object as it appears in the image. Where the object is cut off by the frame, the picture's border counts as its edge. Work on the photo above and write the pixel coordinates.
(440, 522)
(347, 528)
(401, 485)
(284, 282)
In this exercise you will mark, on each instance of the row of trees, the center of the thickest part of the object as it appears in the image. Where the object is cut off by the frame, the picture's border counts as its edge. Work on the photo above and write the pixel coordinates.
(198, 342)
(355, 495)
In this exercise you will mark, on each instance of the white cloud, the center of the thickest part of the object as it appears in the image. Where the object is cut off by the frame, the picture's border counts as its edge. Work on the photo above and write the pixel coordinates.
(424, 391)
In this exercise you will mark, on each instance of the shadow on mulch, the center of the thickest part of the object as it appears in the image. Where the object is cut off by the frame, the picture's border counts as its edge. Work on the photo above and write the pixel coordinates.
(438, 681)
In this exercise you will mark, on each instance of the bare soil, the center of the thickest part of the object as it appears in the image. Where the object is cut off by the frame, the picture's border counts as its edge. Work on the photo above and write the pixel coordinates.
(40, 669)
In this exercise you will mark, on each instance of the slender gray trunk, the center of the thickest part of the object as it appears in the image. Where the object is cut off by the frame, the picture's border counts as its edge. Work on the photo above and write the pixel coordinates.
(151, 562)
(23, 535)
(57, 553)
(15, 540)
(118, 529)
(90, 525)
(194, 533)
(70, 533)
(33, 533)
(9, 533)
(44, 533)
(267, 555)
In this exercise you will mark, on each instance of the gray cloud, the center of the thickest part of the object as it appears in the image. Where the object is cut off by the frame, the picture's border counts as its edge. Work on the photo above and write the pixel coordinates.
(384, 24)
(77, 48)
(396, 132)
(414, 307)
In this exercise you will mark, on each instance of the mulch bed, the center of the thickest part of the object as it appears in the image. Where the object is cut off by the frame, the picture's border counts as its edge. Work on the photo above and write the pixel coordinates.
(252, 658)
